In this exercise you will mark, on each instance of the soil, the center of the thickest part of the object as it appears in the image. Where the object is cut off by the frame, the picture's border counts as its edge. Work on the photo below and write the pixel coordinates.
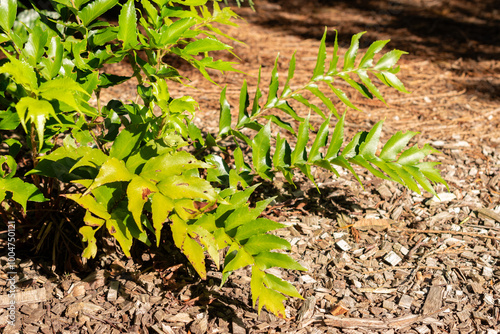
(381, 259)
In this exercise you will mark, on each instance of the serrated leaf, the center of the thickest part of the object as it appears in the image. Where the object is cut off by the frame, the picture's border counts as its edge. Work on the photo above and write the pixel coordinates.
(258, 95)
(127, 25)
(359, 160)
(406, 177)
(342, 96)
(138, 191)
(89, 203)
(328, 103)
(113, 170)
(21, 191)
(391, 80)
(279, 122)
(272, 97)
(420, 178)
(191, 249)
(350, 55)
(257, 226)
(265, 242)
(176, 30)
(319, 142)
(266, 260)
(88, 236)
(413, 155)
(118, 229)
(243, 116)
(37, 111)
(62, 89)
(225, 114)
(261, 147)
(342, 162)
(35, 46)
(21, 72)
(282, 154)
(168, 164)
(299, 154)
(161, 206)
(181, 186)
(368, 148)
(208, 240)
(9, 12)
(374, 48)
(107, 80)
(319, 69)
(95, 9)
(291, 70)
(395, 144)
(369, 84)
(332, 69)
(433, 174)
(240, 260)
(276, 283)
(388, 60)
(205, 45)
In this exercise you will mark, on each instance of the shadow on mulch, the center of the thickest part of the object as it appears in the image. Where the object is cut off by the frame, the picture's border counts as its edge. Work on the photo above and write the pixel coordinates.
(441, 30)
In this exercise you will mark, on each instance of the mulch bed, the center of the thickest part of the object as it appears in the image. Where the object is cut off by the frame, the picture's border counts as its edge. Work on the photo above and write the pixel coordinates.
(381, 259)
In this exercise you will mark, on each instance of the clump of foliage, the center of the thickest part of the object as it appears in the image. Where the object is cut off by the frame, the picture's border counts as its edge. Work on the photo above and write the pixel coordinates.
(135, 166)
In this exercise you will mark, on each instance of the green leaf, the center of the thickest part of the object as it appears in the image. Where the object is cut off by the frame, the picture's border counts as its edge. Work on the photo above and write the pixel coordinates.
(332, 69)
(315, 90)
(37, 111)
(88, 236)
(350, 56)
(304, 101)
(265, 242)
(395, 144)
(319, 69)
(272, 97)
(291, 70)
(95, 9)
(255, 227)
(368, 148)
(118, 229)
(205, 45)
(225, 114)
(21, 191)
(343, 97)
(181, 186)
(282, 155)
(34, 48)
(242, 259)
(191, 2)
(279, 122)
(243, 116)
(191, 249)
(176, 30)
(413, 155)
(161, 206)
(63, 90)
(127, 25)
(261, 148)
(374, 48)
(107, 80)
(128, 141)
(138, 191)
(391, 80)
(9, 12)
(258, 95)
(280, 285)
(369, 84)
(319, 142)
(113, 170)
(167, 164)
(389, 60)
(299, 154)
(89, 203)
(266, 260)
(433, 174)
(22, 73)
(207, 239)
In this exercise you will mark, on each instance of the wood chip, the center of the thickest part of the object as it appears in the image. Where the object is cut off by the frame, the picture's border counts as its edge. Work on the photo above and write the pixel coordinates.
(392, 258)
(487, 213)
(434, 299)
(86, 307)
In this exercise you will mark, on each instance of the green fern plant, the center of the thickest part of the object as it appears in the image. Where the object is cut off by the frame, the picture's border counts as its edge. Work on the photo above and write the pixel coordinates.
(134, 170)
